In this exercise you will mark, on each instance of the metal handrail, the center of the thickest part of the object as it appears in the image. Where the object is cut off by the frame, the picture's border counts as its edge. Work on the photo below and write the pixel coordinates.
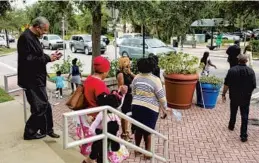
(15, 90)
(106, 135)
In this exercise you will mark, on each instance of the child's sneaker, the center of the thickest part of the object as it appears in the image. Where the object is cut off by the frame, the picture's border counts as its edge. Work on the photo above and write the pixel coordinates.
(60, 97)
(56, 95)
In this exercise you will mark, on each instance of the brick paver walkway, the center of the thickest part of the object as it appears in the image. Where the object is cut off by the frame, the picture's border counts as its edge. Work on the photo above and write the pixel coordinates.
(201, 136)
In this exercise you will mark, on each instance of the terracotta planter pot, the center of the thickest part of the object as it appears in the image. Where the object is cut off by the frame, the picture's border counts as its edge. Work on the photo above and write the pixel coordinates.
(179, 90)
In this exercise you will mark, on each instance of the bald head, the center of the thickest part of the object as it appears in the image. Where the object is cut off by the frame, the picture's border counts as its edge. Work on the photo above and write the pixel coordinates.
(40, 22)
(40, 26)
(242, 58)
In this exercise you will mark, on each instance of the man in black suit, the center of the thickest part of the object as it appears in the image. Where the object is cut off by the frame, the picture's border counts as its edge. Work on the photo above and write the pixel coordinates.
(232, 52)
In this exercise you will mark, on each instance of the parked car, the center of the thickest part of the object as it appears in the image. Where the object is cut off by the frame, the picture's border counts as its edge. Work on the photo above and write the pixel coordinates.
(105, 39)
(230, 37)
(11, 38)
(133, 47)
(126, 36)
(84, 43)
(2, 42)
(52, 42)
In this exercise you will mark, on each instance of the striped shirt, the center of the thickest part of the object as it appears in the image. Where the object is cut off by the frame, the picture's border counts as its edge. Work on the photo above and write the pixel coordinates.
(147, 91)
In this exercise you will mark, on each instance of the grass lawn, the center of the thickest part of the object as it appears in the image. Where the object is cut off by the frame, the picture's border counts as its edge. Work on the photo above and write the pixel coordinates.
(255, 55)
(4, 51)
(4, 97)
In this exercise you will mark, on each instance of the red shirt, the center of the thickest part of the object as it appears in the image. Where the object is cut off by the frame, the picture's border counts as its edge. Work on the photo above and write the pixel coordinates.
(92, 88)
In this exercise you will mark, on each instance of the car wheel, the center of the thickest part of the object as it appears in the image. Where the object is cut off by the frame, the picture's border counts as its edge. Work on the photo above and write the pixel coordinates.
(86, 51)
(42, 46)
(73, 49)
(50, 47)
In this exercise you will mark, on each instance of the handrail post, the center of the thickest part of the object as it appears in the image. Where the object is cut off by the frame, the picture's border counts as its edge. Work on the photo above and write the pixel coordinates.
(6, 83)
(152, 148)
(105, 140)
(65, 132)
(24, 106)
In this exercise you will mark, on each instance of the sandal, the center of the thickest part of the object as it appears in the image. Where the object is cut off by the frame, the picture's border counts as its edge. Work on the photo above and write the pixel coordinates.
(147, 157)
(137, 153)
(163, 116)
(125, 137)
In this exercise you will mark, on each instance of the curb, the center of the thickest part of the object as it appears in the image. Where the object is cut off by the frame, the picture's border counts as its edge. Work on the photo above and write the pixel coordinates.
(6, 54)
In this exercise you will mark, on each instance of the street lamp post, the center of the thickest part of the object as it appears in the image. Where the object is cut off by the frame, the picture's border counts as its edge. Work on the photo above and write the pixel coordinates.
(63, 36)
(143, 34)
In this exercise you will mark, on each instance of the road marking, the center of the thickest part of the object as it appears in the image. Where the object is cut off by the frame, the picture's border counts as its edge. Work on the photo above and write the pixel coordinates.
(9, 67)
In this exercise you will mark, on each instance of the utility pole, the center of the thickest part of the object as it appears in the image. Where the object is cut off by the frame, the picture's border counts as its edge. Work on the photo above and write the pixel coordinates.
(63, 37)
(114, 16)
(143, 34)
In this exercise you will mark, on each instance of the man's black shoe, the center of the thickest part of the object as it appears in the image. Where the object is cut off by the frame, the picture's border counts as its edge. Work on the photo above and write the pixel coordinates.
(231, 128)
(243, 139)
(53, 135)
(36, 136)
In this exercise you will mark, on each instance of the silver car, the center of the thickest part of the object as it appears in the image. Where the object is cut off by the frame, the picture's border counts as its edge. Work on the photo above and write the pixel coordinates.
(133, 47)
(52, 42)
(84, 43)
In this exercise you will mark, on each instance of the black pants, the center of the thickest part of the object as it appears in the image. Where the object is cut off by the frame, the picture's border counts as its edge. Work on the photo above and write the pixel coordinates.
(41, 112)
(72, 86)
(97, 151)
(60, 91)
(244, 110)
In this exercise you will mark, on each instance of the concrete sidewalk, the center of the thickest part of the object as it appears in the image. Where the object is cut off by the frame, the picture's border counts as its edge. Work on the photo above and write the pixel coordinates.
(13, 148)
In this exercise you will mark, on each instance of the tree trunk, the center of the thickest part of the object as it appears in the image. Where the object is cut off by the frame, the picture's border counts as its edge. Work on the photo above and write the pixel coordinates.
(96, 31)
(124, 28)
(6, 38)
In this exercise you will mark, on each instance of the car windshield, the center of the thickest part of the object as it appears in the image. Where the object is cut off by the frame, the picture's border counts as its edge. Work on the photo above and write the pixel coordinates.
(54, 37)
(87, 38)
(155, 43)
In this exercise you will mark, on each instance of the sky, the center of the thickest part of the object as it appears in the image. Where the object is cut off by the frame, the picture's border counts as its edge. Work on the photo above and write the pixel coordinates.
(20, 5)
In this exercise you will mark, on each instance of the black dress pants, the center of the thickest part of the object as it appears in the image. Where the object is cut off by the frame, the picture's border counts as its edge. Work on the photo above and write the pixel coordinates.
(41, 112)
(244, 111)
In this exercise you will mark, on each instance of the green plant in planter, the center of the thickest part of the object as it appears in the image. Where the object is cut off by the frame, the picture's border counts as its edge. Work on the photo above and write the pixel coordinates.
(180, 63)
(113, 69)
(215, 81)
(66, 65)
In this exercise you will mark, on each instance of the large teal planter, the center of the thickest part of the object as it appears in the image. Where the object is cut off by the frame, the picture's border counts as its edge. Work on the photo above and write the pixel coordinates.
(210, 95)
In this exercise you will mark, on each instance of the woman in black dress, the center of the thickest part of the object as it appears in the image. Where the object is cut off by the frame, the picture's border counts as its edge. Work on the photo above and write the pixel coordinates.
(125, 77)
(156, 72)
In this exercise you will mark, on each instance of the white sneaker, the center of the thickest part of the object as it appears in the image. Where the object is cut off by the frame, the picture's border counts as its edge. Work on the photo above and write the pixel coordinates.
(60, 97)
(56, 95)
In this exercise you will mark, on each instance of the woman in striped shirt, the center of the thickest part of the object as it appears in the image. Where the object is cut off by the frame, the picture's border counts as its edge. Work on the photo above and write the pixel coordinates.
(148, 98)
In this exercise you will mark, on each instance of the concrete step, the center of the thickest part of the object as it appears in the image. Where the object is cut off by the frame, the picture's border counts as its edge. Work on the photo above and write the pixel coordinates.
(12, 146)
(71, 155)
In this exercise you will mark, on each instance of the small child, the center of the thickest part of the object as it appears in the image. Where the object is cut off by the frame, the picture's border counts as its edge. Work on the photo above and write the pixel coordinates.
(113, 124)
(59, 80)
(207, 63)
(76, 75)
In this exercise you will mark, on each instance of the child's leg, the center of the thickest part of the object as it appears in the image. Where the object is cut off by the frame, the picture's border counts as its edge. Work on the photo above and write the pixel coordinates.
(61, 91)
(97, 149)
(57, 92)
(76, 85)
(72, 87)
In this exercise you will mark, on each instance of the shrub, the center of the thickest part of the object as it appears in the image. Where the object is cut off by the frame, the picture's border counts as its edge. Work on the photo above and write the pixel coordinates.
(255, 45)
(179, 63)
(211, 80)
